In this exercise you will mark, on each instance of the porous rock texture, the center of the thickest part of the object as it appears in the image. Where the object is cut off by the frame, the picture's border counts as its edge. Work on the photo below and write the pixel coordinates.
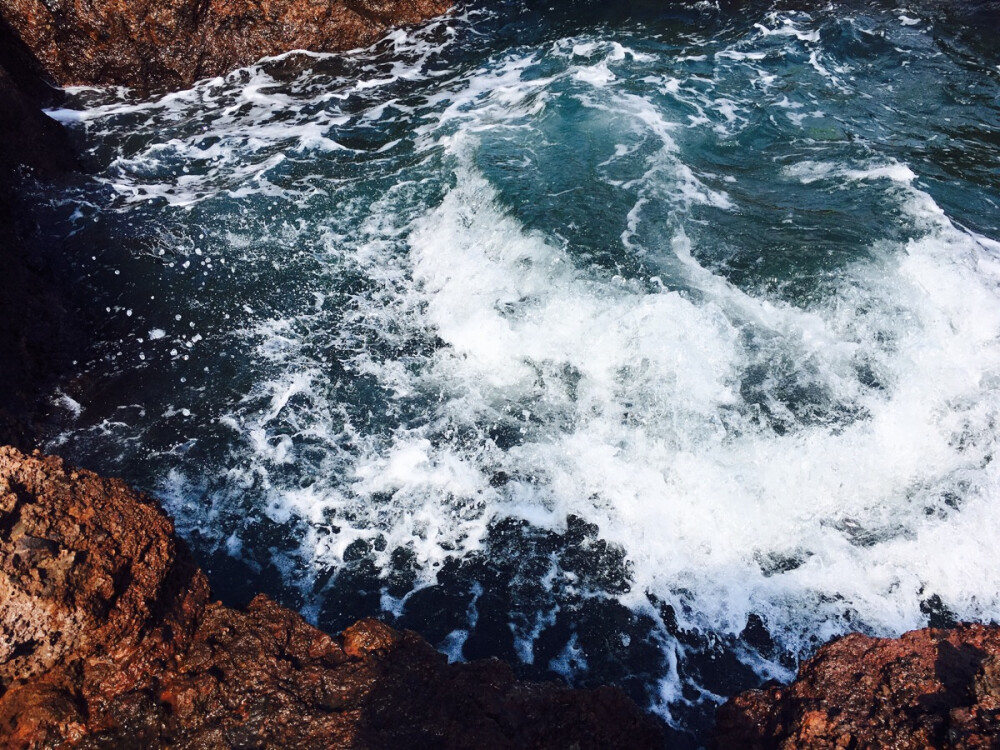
(169, 44)
(109, 638)
(931, 688)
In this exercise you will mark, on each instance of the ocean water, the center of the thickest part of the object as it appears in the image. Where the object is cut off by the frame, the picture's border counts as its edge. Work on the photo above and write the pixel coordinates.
(643, 343)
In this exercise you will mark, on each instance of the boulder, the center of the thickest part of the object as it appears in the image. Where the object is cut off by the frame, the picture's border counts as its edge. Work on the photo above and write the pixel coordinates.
(930, 688)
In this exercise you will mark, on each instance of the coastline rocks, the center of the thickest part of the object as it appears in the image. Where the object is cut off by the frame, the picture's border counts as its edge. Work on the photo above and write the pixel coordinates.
(930, 688)
(108, 638)
(35, 333)
(169, 44)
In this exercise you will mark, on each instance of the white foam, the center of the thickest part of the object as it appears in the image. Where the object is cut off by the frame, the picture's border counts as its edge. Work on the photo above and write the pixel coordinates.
(646, 406)
(649, 446)
(67, 402)
(787, 27)
(650, 442)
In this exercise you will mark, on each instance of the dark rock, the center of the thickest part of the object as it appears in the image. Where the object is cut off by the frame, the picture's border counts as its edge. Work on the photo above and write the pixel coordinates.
(108, 639)
(168, 44)
(32, 142)
(931, 688)
(34, 335)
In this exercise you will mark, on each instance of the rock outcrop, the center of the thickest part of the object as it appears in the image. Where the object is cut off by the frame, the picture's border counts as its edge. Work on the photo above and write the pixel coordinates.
(169, 44)
(109, 638)
(33, 322)
(931, 688)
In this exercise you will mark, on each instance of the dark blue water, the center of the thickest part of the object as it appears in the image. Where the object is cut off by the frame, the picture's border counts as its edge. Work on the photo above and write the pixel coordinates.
(631, 342)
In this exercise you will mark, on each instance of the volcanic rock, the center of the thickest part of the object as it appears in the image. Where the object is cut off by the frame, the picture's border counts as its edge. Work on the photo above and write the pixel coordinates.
(931, 688)
(169, 44)
(108, 638)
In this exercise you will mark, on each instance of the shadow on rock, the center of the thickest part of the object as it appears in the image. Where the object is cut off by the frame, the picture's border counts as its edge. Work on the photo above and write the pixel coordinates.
(109, 638)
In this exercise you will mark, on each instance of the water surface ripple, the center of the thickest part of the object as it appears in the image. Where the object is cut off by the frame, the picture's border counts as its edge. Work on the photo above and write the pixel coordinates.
(653, 344)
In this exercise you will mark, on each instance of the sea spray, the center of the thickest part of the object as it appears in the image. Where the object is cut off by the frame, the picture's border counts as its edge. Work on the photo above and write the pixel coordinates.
(655, 350)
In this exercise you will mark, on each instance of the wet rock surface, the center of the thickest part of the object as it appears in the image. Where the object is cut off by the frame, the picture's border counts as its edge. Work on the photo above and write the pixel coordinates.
(931, 688)
(35, 334)
(109, 638)
(167, 44)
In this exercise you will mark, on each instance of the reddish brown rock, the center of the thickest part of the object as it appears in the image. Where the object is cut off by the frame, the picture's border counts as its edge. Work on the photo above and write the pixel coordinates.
(931, 688)
(95, 595)
(166, 44)
(108, 639)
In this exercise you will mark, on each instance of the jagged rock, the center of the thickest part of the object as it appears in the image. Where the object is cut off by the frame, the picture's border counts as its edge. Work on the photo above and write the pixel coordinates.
(166, 44)
(108, 638)
(931, 688)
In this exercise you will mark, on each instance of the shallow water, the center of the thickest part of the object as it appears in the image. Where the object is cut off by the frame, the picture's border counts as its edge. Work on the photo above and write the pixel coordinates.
(652, 345)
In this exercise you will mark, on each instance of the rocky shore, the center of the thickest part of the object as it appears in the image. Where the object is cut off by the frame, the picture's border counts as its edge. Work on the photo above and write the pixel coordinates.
(109, 636)
(930, 688)
(108, 633)
(168, 44)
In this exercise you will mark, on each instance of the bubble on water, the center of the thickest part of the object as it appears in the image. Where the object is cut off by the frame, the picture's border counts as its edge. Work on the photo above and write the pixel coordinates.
(497, 330)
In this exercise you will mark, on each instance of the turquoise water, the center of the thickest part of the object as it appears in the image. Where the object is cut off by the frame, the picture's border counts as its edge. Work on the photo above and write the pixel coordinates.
(652, 344)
